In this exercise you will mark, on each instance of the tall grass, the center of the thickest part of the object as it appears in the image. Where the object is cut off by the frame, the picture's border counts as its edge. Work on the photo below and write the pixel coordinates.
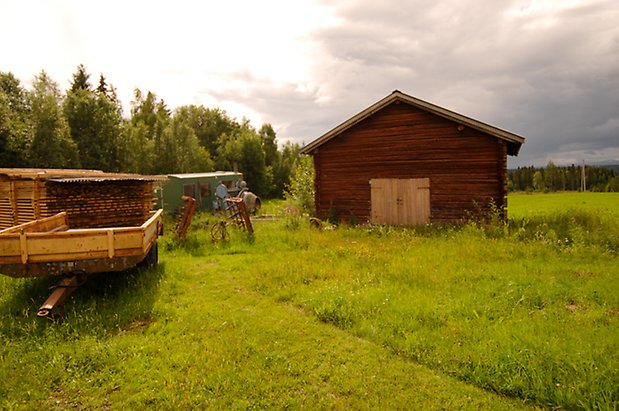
(528, 308)
(344, 317)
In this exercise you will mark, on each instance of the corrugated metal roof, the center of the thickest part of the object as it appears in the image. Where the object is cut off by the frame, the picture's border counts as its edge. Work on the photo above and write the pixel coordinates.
(514, 140)
(102, 179)
(207, 175)
(74, 175)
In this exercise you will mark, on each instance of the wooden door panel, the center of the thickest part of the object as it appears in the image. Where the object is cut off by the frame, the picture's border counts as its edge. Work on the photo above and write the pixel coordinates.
(420, 201)
(381, 191)
(400, 201)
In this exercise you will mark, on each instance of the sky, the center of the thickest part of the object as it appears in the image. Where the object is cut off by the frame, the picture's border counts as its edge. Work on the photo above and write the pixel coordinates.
(547, 70)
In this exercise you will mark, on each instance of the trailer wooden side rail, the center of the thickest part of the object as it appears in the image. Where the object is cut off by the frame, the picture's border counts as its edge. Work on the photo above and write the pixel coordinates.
(47, 247)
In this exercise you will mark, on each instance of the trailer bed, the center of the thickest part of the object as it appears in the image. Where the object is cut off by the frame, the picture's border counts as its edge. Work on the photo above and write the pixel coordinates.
(49, 247)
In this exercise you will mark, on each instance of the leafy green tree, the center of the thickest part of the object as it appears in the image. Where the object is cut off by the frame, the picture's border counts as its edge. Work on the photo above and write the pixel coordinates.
(52, 145)
(15, 136)
(136, 149)
(283, 167)
(301, 188)
(144, 110)
(573, 178)
(538, 181)
(551, 176)
(253, 164)
(269, 144)
(94, 120)
(180, 150)
(208, 124)
(89, 131)
(80, 79)
(613, 185)
(272, 157)
(102, 88)
(109, 91)
(141, 137)
(244, 150)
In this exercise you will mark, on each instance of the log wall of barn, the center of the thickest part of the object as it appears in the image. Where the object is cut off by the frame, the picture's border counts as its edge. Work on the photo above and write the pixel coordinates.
(467, 168)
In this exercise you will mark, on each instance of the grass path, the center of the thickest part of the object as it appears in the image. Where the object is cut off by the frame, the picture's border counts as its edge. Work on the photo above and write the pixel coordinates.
(210, 341)
(256, 352)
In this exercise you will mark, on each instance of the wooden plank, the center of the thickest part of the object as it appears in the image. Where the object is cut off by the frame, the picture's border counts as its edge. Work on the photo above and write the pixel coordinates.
(41, 225)
(66, 243)
(13, 200)
(150, 231)
(422, 207)
(55, 258)
(10, 246)
(10, 259)
(384, 211)
(377, 188)
(128, 239)
(23, 248)
(407, 207)
(110, 243)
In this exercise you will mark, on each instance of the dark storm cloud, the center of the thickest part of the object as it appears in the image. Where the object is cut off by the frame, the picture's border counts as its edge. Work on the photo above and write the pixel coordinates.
(550, 75)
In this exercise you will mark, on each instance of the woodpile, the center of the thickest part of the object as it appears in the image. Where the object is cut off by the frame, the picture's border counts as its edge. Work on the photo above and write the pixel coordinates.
(91, 198)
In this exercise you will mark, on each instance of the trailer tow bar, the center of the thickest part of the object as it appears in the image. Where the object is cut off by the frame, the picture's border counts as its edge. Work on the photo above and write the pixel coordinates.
(61, 291)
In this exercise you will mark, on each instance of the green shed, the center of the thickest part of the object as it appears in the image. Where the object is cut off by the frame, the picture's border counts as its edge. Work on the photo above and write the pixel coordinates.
(200, 186)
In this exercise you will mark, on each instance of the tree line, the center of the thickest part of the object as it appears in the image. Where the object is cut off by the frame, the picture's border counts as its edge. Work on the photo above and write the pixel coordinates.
(85, 127)
(555, 178)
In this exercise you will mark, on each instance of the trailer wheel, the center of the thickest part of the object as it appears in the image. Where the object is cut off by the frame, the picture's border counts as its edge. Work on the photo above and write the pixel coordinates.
(152, 258)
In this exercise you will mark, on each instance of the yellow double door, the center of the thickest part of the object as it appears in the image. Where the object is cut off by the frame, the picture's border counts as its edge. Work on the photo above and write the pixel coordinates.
(400, 201)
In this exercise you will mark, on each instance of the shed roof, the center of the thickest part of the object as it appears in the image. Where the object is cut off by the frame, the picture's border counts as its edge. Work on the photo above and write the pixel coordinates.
(72, 175)
(206, 175)
(514, 141)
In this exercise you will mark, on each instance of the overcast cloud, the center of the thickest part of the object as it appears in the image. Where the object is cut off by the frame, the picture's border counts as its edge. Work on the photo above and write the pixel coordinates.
(547, 70)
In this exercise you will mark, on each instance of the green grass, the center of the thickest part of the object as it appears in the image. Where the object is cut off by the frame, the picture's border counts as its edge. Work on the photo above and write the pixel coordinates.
(474, 317)
(526, 205)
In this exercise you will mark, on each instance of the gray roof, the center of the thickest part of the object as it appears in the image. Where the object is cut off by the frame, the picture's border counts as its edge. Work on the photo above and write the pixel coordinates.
(207, 175)
(72, 175)
(514, 141)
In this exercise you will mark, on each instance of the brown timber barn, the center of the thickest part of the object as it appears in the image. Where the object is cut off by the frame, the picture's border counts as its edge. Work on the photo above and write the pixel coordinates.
(405, 161)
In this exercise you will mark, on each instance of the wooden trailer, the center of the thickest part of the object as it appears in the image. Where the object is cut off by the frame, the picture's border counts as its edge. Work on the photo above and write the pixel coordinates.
(75, 223)
(49, 247)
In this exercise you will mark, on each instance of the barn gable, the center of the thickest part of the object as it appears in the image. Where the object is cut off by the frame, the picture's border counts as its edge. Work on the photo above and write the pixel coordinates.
(406, 161)
(514, 141)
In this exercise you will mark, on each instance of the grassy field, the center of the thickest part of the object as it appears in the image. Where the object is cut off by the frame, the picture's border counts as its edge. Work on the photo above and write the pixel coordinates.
(527, 205)
(483, 316)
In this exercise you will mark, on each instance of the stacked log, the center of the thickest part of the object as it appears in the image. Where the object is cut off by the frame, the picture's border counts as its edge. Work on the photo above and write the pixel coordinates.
(91, 198)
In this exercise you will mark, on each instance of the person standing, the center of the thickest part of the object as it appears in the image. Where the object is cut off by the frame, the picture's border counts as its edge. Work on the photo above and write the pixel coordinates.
(221, 193)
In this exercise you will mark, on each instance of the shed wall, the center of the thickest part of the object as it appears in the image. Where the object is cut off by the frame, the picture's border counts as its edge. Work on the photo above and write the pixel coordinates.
(467, 168)
(175, 188)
